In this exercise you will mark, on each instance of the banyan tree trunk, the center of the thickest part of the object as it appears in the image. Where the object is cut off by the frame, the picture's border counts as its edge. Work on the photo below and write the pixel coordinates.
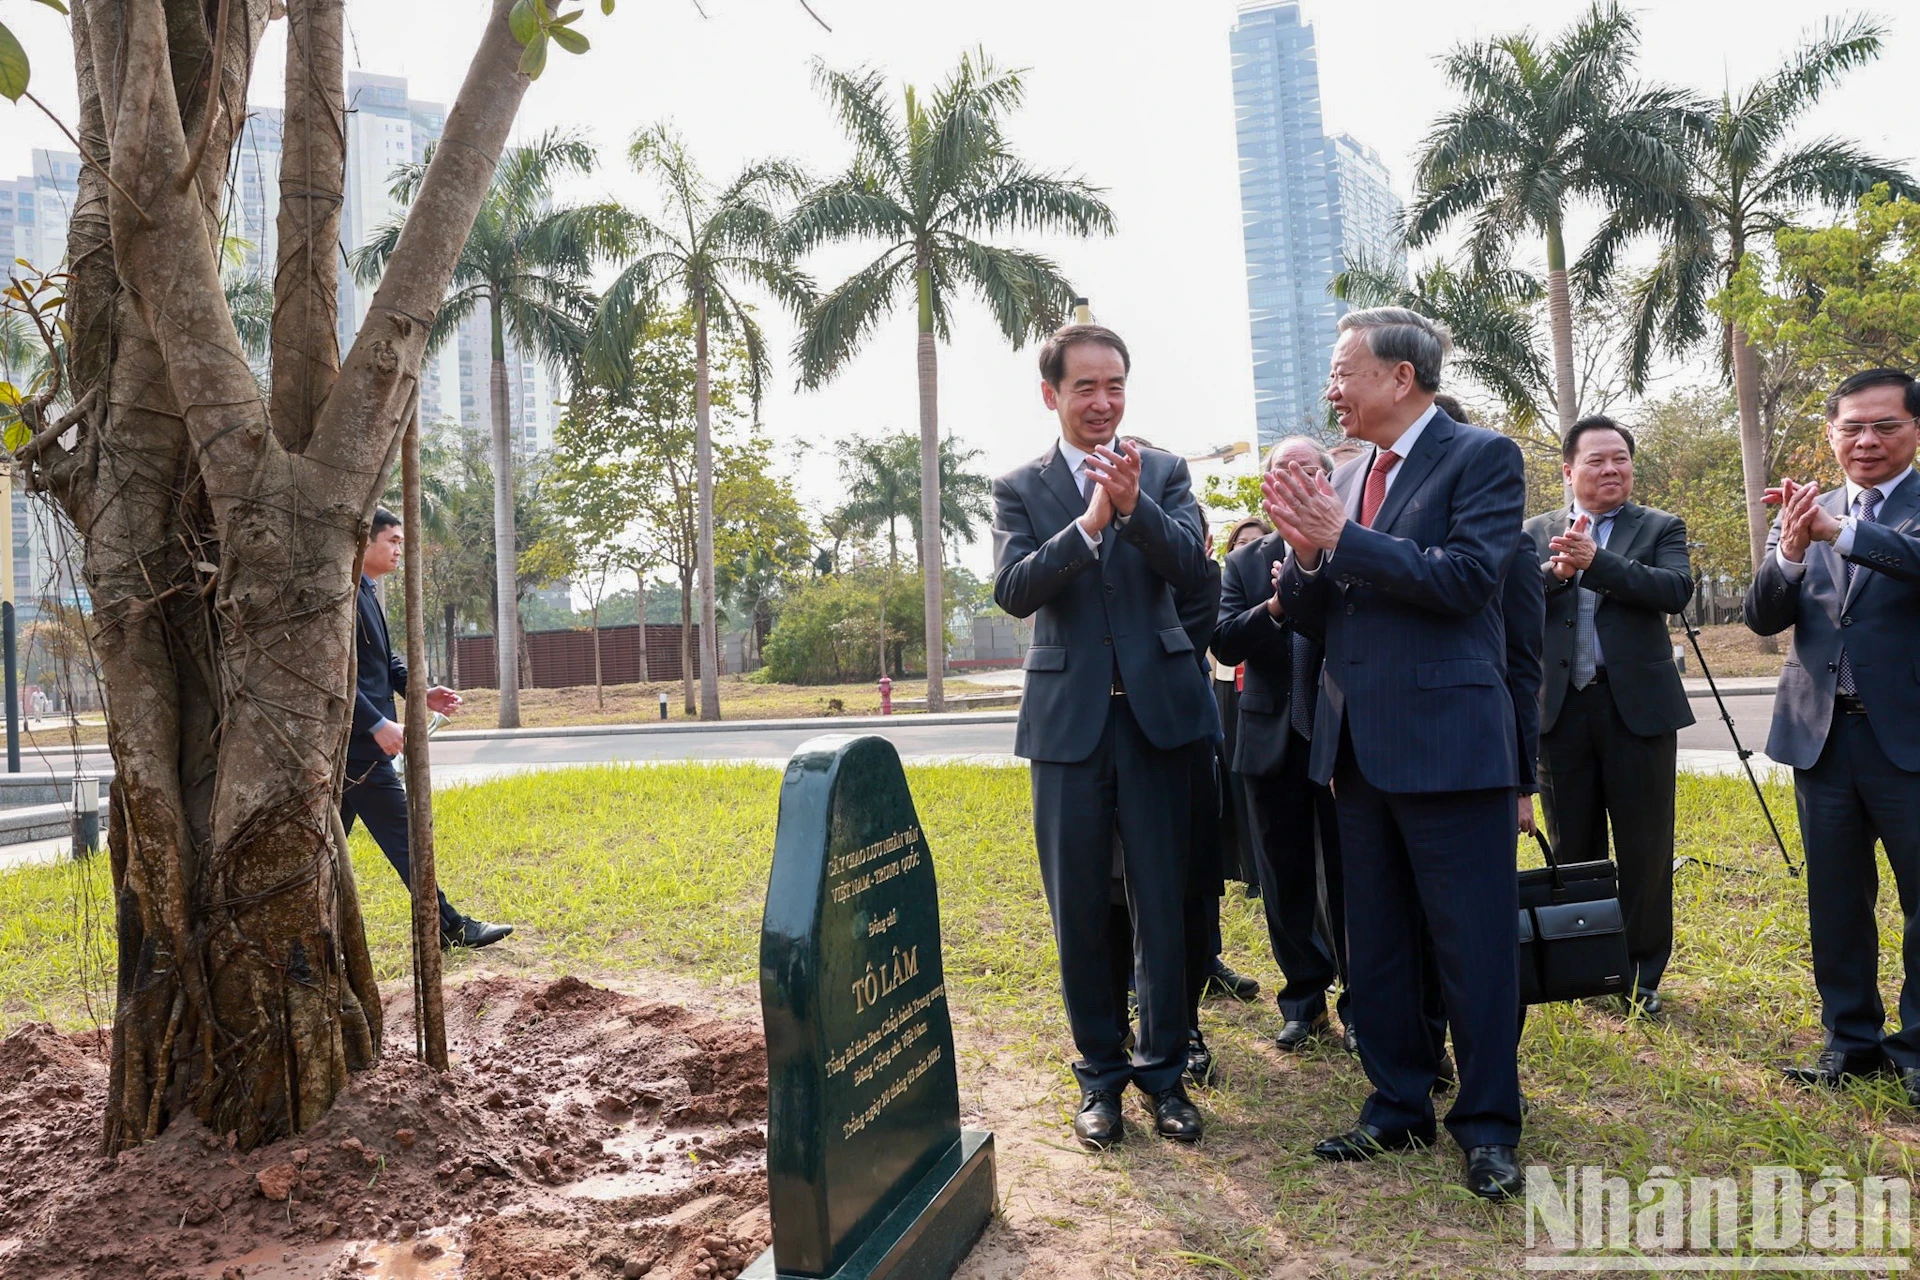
(221, 530)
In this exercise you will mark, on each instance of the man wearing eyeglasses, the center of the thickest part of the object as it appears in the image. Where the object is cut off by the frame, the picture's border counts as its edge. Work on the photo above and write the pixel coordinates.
(1843, 570)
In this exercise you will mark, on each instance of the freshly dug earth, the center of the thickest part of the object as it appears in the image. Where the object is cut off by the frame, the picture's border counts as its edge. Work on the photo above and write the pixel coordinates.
(580, 1133)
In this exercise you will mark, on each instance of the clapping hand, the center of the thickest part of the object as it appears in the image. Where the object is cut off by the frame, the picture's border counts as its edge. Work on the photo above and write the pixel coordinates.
(1305, 509)
(444, 700)
(1117, 475)
(1802, 519)
(1273, 601)
(1573, 550)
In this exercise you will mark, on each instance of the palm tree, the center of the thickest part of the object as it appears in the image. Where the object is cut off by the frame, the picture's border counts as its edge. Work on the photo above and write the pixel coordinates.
(927, 179)
(1749, 181)
(706, 245)
(966, 497)
(878, 476)
(528, 263)
(1493, 336)
(1541, 129)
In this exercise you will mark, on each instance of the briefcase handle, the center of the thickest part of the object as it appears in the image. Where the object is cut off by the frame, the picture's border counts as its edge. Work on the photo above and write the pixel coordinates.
(1546, 851)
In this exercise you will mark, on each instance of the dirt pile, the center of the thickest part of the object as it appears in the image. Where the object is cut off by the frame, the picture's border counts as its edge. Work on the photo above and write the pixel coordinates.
(580, 1133)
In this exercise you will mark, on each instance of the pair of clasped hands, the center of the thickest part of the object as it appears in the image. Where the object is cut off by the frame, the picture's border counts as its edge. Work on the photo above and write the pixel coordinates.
(1306, 512)
(1116, 484)
(1802, 519)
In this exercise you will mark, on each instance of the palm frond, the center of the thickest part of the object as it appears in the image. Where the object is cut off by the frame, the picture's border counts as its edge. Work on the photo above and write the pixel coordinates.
(1026, 293)
(1832, 172)
(842, 318)
(1019, 199)
(623, 312)
(851, 208)
(857, 100)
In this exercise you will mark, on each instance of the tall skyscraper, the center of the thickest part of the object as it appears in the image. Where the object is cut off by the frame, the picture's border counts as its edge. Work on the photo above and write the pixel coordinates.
(1308, 203)
(252, 218)
(1287, 211)
(1369, 211)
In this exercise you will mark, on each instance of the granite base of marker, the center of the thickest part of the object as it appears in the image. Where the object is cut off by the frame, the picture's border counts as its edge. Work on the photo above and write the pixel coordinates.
(930, 1232)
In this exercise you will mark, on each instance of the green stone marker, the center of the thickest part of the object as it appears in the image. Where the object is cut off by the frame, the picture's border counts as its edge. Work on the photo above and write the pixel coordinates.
(868, 1170)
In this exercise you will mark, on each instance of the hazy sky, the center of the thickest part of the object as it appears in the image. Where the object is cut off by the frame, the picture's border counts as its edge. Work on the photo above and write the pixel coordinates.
(1133, 95)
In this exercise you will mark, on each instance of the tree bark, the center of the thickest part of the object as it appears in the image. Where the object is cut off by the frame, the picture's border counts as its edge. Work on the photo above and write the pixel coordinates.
(452, 623)
(221, 563)
(506, 586)
(1560, 317)
(306, 300)
(599, 699)
(430, 1019)
(703, 483)
(931, 550)
(686, 640)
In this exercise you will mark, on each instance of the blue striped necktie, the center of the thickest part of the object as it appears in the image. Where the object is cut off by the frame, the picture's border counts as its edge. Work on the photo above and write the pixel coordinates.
(1864, 507)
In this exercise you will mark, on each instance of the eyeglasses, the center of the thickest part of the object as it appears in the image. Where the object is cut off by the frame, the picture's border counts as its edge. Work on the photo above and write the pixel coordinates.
(1886, 429)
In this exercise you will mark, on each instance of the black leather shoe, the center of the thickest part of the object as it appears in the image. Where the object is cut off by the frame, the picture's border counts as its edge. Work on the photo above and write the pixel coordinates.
(1296, 1032)
(473, 934)
(1174, 1116)
(1099, 1124)
(1910, 1082)
(1444, 1076)
(1645, 1004)
(1350, 1042)
(1834, 1068)
(1222, 981)
(1365, 1142)
(1199, 1060)
(1493, 1173)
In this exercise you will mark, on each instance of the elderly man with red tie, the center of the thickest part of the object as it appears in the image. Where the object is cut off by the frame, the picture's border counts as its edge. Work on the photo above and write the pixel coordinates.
(1398, 564)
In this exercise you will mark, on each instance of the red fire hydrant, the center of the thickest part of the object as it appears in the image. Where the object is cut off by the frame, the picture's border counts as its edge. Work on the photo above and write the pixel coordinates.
(886, 695)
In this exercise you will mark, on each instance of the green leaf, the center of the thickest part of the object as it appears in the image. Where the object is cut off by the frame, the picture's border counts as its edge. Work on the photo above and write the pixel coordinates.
(13, 66)
(534, 60)
(566, 19)
(54, 4)
(523, 22)
(16, 435)
(571, 41)
(9, 394)
(606, 7)
(546, 14)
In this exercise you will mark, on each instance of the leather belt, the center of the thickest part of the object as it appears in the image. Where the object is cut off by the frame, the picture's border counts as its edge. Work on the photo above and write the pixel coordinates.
(1848, 704)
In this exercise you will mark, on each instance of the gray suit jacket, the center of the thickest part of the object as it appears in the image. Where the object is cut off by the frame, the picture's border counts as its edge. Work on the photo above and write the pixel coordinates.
(1879, 621)
(1642, 575)
(1410, 612)
(1095, 617)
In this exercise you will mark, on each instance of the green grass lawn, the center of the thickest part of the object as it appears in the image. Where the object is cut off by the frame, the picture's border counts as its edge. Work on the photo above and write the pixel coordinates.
(611, 871)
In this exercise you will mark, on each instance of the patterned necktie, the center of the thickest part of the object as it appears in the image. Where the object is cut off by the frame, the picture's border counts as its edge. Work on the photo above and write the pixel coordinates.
(1586, 649)
(1376, 491)
(1863, 508)
(1300, 697)
(1086, 484)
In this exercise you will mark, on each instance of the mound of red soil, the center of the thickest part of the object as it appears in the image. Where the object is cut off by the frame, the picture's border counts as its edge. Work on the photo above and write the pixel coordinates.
(580, 1133)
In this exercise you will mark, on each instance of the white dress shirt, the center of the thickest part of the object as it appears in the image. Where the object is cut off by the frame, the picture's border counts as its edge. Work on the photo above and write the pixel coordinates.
(1404, 446)
(1843, 544)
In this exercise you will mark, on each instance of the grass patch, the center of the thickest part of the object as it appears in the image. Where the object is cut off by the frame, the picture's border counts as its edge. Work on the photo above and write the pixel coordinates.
(621, 869)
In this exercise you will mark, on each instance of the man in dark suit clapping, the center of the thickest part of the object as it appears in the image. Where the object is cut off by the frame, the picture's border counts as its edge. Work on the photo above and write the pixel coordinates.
(372, 791)
(1093, 543)
(1398, 564)
(1843, 570)
(1609, 730)
(1295, 838)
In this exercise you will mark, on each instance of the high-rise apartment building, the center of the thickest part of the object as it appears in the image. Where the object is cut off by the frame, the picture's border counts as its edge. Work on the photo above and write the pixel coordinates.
(1369, 211)
(252, 219)
(1308, 203)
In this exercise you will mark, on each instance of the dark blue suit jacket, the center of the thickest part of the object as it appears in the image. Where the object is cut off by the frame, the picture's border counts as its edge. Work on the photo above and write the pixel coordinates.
(1416, 661)
(1523, 613)
(1095, 615)
(1246, 632)
(1879, 620)
(381, 674)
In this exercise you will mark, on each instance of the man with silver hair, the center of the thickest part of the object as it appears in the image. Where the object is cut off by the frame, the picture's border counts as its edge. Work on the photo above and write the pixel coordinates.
(1398, 564)
(1292, 831)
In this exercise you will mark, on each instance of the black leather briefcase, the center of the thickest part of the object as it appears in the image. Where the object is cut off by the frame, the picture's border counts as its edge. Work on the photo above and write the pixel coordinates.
(1573, 940)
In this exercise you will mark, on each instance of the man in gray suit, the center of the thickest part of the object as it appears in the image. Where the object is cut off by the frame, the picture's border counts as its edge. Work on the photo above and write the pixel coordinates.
(1843, 570)
(1609, 730)
(1093, 544)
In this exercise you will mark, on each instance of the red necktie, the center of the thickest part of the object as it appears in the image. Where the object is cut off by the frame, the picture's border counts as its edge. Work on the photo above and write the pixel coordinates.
(1376, 491)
